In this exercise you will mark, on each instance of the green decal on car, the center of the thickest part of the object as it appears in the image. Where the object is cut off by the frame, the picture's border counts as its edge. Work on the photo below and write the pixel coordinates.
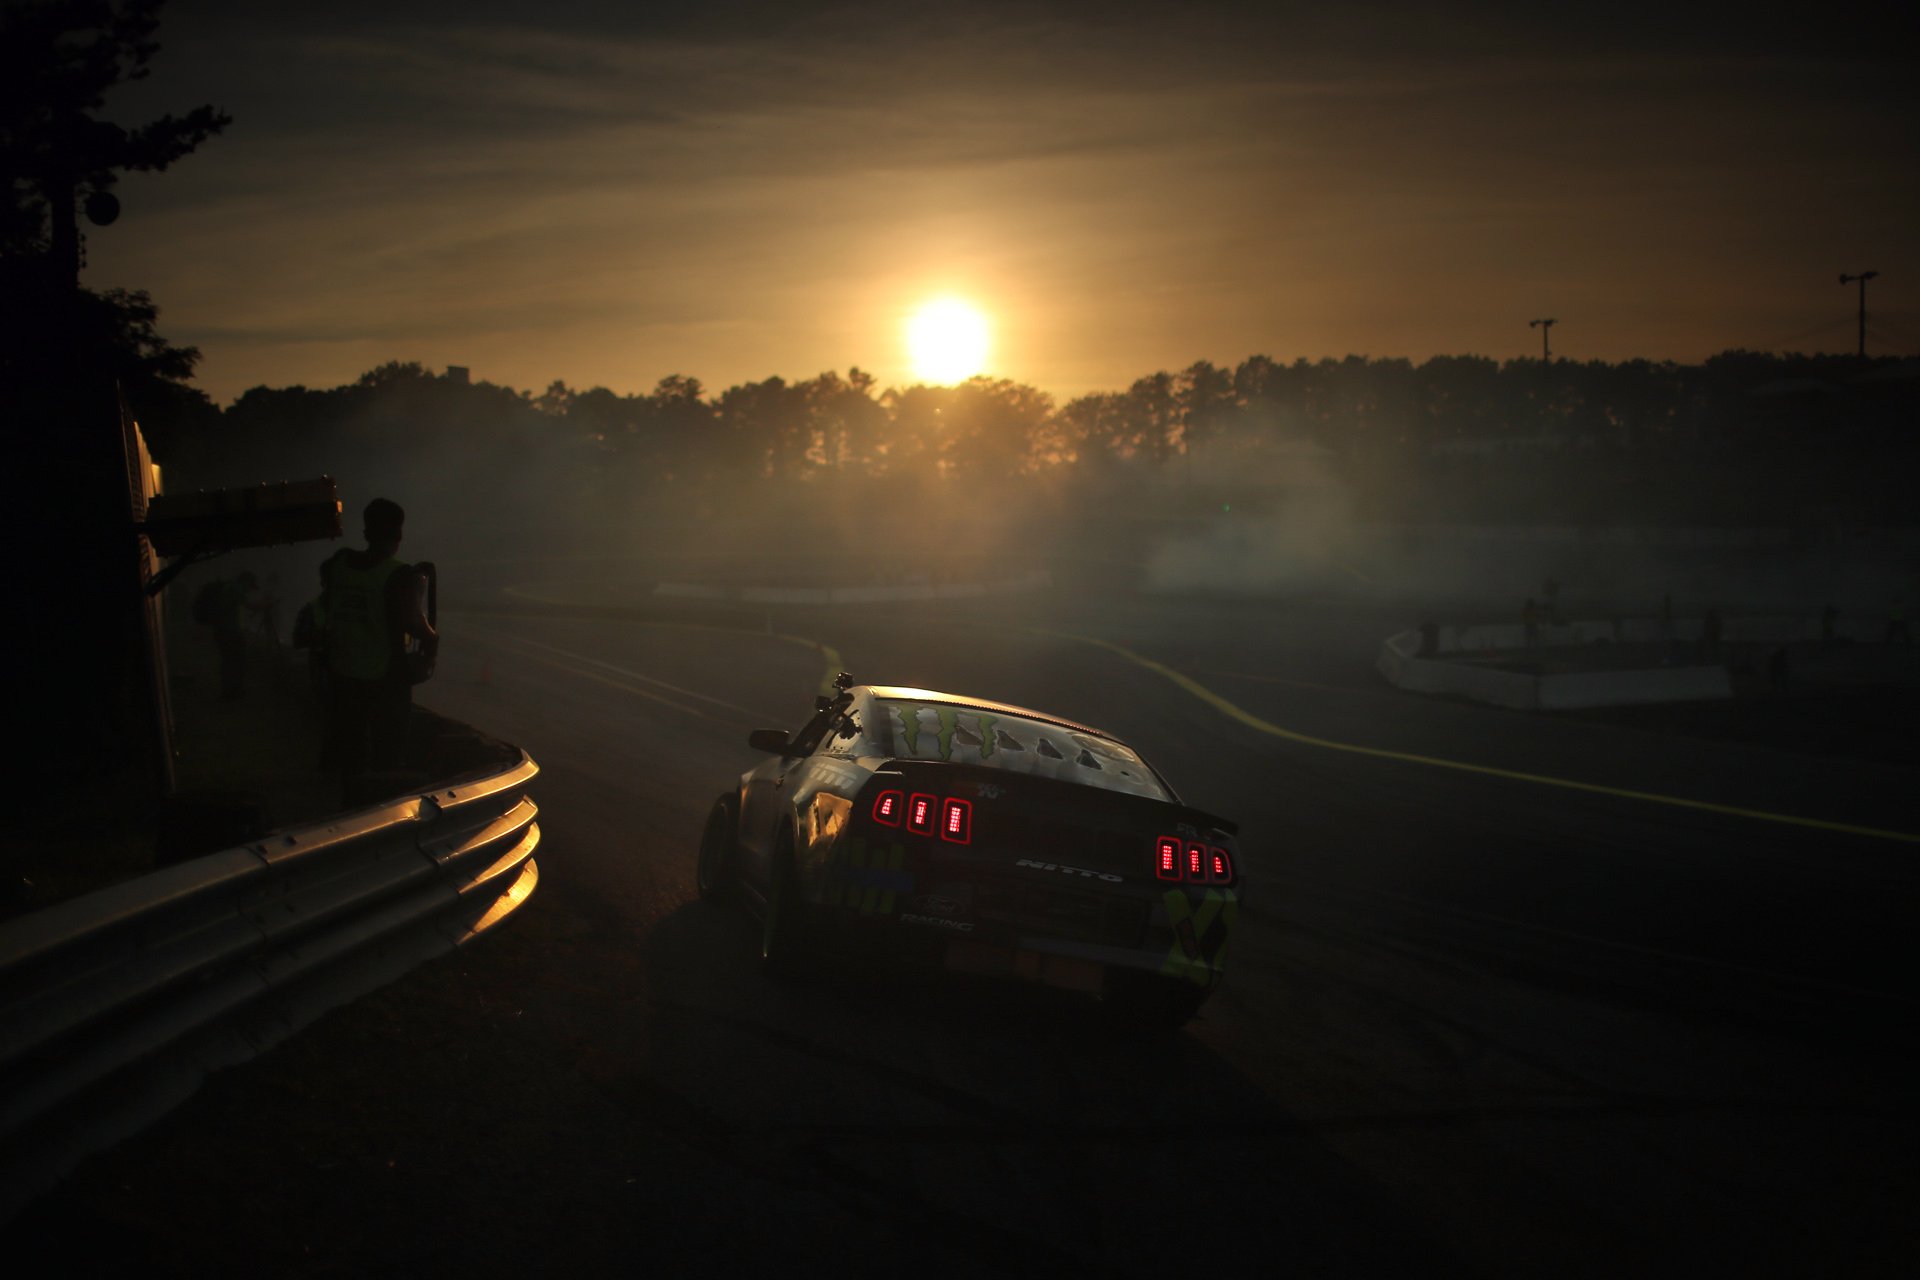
(949, 721)
(909, 718)
(986, 735)
(866, 879)
(1200, 934)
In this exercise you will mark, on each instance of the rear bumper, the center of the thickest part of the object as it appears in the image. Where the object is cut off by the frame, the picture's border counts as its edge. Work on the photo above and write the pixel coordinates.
(1061, 961)
(995, 921)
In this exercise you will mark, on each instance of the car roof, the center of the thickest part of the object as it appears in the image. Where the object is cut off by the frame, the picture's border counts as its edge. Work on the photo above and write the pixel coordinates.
(902, 693)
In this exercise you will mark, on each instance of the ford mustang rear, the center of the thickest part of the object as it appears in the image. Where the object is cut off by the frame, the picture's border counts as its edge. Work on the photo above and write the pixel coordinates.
(978, 837)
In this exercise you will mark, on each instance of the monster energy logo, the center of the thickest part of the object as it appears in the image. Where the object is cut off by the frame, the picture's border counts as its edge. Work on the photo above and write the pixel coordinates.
(951, 725)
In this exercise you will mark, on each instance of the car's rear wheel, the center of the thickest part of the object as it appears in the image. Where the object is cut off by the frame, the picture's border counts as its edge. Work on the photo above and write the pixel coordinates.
(784, 948)
(714, 870)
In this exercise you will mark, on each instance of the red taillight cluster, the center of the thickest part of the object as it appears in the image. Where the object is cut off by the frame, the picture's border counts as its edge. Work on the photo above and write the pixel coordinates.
(1176, 859)
(950, 818)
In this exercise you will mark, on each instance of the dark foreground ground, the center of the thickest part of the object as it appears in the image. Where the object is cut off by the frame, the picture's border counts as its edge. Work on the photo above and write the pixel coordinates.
(1475, 1023)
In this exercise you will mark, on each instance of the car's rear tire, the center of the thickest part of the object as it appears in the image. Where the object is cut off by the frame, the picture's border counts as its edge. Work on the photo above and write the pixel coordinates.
(714, 869)
(785, 949)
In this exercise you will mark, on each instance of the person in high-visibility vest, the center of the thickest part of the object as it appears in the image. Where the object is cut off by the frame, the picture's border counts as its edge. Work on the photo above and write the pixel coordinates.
(371, 603)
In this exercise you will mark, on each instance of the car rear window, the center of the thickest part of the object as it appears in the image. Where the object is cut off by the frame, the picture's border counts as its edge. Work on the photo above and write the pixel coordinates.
(968, 735)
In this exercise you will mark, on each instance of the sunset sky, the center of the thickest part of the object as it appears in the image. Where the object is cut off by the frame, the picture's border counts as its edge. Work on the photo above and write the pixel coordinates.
(606, 194)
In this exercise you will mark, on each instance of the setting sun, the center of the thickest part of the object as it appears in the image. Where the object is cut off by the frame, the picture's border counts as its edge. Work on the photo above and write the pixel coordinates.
(947, 340)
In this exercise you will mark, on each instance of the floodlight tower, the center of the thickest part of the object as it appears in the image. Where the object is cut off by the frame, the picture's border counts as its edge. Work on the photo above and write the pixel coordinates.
(1863, 277)
(1544, 325)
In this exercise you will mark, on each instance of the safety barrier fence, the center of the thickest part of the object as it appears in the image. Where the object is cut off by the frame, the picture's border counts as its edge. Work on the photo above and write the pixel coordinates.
(1403, 663)
(114, 1006)
(1447, 665)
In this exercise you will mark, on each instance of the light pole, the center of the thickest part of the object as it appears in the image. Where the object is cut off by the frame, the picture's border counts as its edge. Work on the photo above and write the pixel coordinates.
(1545, 354)
(1863, 277)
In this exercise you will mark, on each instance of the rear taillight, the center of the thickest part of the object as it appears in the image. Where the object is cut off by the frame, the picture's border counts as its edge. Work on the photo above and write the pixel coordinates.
(920, 815)
(1190, 862)
(925, 814)
(956, 821)
(1166, 859)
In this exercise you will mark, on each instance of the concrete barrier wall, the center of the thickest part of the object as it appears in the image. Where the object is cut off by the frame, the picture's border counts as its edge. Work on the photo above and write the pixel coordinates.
(1480, 684)
(1396, 653)
(1400, 663)
(1626, 688)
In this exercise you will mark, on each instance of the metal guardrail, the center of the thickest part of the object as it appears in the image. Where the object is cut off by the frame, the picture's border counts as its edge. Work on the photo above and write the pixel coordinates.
(115, 1006)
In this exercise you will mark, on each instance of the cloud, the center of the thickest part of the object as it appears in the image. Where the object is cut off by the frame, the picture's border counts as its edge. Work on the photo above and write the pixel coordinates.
(1137, 185)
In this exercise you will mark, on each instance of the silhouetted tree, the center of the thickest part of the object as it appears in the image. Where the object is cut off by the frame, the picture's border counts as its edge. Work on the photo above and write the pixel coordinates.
(850, 426)
(1204, 400)
(680, 424)
(1461, 396)
(991, 425)
(1093, 427)
(1151, 419)
(764, 429)
(555, 402)
(58, 60)
(919, 430)
(152, 373)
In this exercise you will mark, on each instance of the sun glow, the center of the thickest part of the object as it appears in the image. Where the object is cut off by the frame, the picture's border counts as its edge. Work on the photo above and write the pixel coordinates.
(947, 339)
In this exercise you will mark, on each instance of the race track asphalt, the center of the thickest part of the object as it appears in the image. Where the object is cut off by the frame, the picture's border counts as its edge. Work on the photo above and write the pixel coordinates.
(1476, 1021)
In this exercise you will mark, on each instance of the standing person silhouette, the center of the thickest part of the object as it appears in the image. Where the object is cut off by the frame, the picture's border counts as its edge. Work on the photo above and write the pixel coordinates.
(371, 604)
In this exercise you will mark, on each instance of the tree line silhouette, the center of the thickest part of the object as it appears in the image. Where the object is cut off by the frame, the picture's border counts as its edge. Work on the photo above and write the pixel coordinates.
(1744, 435)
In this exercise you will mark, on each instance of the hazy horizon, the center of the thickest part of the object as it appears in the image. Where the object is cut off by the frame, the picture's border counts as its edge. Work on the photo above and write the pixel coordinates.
(613, 194)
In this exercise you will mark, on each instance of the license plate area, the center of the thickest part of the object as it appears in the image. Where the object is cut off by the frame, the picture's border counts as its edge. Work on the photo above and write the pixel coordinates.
(1067, 973)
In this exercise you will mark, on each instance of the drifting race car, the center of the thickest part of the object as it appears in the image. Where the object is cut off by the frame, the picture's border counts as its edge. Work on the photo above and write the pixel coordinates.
(977, 837)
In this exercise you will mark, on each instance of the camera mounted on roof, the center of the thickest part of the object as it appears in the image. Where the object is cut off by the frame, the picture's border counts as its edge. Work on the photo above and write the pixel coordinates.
(842, 682)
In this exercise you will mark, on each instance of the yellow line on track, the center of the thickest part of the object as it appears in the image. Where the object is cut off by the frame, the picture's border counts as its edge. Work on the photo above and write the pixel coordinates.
(835, 664)
(1342, 564)
(624, 685)
(518, 644)
(1252, 721)
(1292, 684)
(536, 597)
